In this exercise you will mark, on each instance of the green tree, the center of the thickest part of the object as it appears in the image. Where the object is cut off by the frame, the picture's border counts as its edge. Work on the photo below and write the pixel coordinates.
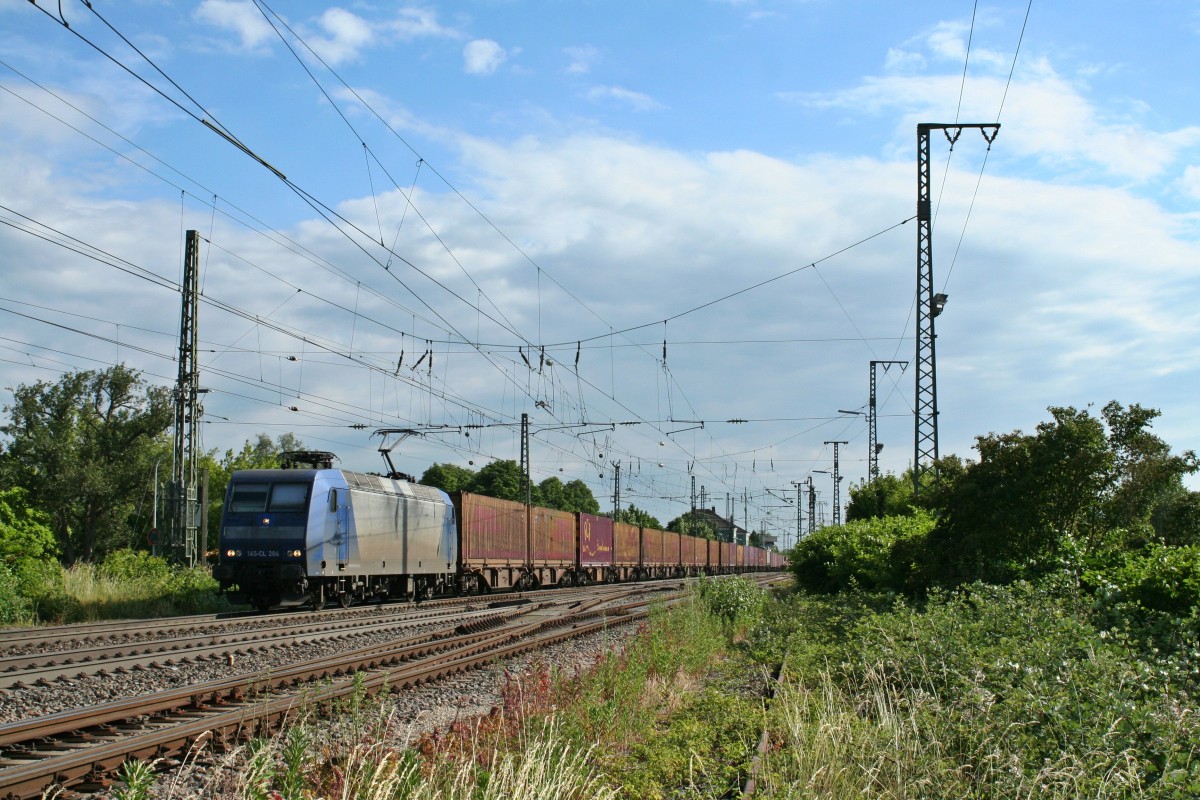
(84, 449)
(501, 479)
(578, 497)
(24, 533)
(635, 516)
(890, 496)
(1009, 512)
(552, 493)
(448, 477)
(1145, 473)
(1176, 519)
(695, 524)
(1077, 479)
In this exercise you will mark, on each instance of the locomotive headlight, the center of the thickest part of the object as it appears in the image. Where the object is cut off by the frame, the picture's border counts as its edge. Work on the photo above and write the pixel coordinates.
(297, 553)
(231, 553)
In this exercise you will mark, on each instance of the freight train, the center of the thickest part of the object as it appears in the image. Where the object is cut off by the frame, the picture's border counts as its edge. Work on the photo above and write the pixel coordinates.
(305, 537)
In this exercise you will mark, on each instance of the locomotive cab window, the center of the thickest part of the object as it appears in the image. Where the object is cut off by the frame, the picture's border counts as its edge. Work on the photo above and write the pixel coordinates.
(249, 497)
(289, 497)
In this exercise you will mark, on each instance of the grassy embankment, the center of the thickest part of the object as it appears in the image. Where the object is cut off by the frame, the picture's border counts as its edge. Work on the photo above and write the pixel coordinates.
(991, 692)
(126, 585)
(1010, 692)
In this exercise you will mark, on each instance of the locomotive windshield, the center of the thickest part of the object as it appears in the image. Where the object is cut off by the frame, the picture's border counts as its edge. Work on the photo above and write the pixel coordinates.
(277, 498)
(266, 510)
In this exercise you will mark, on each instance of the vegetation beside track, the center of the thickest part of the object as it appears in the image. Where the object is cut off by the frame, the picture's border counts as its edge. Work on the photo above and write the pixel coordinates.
(128, 584)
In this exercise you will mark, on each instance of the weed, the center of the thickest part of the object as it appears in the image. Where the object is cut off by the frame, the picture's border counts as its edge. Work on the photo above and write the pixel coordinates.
(138, 777)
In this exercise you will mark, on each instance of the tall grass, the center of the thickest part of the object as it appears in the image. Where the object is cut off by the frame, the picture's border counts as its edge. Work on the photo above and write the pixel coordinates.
(877, 740)
(998, 692)
(304, 763)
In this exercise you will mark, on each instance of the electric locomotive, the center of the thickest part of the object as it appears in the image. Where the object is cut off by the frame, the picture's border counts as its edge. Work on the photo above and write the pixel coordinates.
(306, 535)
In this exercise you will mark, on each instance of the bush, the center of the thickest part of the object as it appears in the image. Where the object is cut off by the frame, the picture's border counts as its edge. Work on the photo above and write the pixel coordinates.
(1160, 578)
(15, 607)
(735, 600)
(136, 567)
(989, 691)
(44, 584)
(859, 553)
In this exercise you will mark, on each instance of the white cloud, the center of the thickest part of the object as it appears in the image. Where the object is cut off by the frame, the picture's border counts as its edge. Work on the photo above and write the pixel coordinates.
(414, 23)
(1044, 117)
(483, 57)
(903, 61)
(582, 59)
(635, 100)
(1189, 183)
(346, 35)
(240, 17)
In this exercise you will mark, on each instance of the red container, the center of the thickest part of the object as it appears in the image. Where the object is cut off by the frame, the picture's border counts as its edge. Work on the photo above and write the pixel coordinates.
(652, 547)
(627, 544)
(714, 553)
(672, 548)
(595, 540)
(493, 530)
(694, 551)
(553, 536)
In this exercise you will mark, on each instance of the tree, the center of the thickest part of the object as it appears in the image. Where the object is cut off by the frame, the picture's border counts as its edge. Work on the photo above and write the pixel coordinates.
(84, 449)
(552, 493)
(635, 516)
(501, 479)
(890, 496)
(24, 533)
(1077, 478)
(1145, 473)
(448, 477)
(578, 497)
(1176, 520)
(694, 523)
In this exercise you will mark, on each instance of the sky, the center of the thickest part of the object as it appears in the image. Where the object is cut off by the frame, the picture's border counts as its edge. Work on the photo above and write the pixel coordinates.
(634, 222)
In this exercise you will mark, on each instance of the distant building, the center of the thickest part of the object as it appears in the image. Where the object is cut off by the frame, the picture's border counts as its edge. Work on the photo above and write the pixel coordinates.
(726, 529)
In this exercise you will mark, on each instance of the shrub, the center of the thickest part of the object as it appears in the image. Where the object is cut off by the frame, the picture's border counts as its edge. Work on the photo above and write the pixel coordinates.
(1160, 578)
(135, 567)
(15, 606)
(44, 584)
(859, 553)
(736, 600)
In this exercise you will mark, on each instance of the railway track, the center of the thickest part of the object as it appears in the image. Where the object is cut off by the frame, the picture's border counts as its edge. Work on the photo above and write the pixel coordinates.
(63, 638)
(43, 667)
(81, 748)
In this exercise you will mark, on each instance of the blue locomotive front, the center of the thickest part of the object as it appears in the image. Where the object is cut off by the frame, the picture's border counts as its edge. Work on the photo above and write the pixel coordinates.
(264, 536)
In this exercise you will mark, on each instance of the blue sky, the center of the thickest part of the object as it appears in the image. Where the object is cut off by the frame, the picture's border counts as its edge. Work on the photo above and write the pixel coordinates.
(542, 174)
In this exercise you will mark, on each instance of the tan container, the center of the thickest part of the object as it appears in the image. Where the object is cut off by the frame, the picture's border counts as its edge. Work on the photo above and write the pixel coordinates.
(493, 531)
(627, 544)
(554, 535)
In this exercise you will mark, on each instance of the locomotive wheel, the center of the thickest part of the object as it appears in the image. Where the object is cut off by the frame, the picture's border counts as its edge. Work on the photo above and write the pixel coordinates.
(262, 604)
(345, 599)
(318, 599)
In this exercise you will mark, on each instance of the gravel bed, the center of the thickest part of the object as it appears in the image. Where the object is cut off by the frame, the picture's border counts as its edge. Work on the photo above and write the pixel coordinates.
(411, 713)
(89, 690)
(83, 640)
